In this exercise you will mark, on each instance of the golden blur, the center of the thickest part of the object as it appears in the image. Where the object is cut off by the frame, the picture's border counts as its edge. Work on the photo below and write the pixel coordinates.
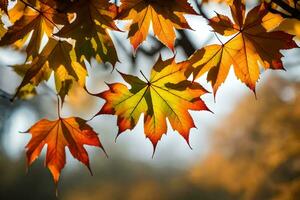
(256, 153)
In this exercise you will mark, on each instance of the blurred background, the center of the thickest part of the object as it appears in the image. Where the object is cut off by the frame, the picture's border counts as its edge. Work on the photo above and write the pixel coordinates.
(248, 149)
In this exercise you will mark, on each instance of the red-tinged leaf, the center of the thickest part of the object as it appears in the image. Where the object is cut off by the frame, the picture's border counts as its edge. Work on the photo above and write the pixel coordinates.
(57, 135)
(167, 95)
(254, 44)
(223, 25)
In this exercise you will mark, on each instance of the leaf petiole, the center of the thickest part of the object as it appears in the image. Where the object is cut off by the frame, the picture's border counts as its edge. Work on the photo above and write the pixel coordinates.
(144, 76)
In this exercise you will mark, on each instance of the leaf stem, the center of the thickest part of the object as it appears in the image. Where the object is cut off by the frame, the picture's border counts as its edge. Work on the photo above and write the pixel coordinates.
(58, 107)
(218, 38)
(144, 76)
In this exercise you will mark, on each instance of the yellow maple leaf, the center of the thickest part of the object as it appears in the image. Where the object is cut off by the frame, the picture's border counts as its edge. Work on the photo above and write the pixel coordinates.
(167, 94)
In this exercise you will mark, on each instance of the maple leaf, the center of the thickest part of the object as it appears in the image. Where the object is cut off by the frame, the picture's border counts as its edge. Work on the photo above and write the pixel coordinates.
(254, 44)
(56, 56)
(70, 132)
(33, 17)
(216, 60)
(164, 15)
(89, 30)
(168, 94)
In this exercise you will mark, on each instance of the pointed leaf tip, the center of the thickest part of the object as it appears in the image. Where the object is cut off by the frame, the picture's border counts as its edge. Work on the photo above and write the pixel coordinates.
(167, 94)
(71, 132)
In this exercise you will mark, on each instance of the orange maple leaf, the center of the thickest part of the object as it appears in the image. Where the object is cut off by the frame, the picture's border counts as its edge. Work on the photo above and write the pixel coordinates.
(164, 15)
(167, 94)
(254, 44)
(35, 18)
(70, 132)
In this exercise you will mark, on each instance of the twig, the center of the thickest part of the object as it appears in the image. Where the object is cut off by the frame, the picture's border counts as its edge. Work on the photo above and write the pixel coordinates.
(294, 12)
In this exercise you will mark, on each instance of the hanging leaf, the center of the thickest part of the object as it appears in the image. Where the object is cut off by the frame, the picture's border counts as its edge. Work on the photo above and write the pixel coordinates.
(33, 18)
(254, 44)
(57, 135)
(90, 30)
(56, 56)
(167, 95)
(216, 60)
(165, 17)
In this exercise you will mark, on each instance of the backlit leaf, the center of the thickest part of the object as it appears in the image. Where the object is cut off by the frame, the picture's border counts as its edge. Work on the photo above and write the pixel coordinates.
(253, 44)
(90, 30)
(167, 95)
(56, 56)
(37, 22)
(165, 16)
(216, 60)
(57, 135)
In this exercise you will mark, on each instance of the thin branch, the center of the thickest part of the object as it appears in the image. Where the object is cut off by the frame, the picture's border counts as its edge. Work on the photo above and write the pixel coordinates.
(200, 8)
(294, 12)
(272, 10)
(58, 106)
(144, 76)
(218, 38)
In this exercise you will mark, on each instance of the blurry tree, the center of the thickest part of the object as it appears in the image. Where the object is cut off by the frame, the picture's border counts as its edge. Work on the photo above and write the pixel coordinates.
(256, 152)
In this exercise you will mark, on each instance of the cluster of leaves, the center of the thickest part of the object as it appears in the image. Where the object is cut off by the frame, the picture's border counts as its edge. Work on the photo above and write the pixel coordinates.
(78, 31)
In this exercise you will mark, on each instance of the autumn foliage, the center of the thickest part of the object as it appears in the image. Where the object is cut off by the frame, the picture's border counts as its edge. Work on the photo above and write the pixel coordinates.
(76, 32)
(167, 94)
(72, 133)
